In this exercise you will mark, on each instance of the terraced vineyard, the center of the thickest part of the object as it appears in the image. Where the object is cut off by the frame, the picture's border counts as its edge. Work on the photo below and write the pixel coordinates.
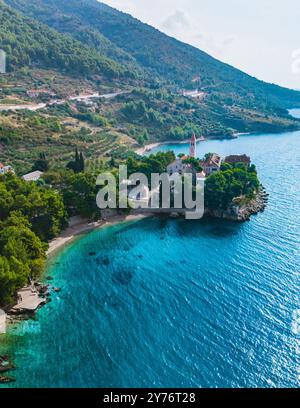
(26, 135)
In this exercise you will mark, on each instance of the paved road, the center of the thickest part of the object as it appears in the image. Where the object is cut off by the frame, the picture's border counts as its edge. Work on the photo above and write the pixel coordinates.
(38, 106)
(31, 107)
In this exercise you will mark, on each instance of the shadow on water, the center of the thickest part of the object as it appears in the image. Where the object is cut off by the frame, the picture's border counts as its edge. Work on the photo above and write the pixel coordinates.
(207, 226)
(122, 277)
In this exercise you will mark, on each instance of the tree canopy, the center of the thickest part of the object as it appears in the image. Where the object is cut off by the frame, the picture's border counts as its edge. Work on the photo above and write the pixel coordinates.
(231, 182)
(30, 215)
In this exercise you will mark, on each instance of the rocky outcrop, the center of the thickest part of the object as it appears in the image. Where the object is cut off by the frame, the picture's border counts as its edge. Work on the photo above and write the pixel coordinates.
(6, 365)
(30, 299)
(241, 211)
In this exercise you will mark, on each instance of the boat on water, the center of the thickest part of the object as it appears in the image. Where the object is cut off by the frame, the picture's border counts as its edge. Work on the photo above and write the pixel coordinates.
(201, 139)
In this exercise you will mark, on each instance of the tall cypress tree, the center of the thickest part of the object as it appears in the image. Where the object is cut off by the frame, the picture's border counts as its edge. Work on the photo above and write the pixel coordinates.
(81, 162)
(76, 156)
(78, 164)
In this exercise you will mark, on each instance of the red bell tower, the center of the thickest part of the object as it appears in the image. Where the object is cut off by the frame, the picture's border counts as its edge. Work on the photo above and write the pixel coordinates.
(193, 146)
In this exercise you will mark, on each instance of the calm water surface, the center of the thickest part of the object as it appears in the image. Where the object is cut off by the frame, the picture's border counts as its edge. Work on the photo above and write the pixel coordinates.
(177, 303)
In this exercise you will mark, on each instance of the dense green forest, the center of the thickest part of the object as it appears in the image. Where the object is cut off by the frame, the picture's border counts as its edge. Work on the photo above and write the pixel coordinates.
(29, 43)
(232, 181)
(67, 24)
(30, 215)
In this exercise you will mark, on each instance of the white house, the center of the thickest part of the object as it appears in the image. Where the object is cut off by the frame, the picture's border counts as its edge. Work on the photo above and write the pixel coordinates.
(2, 322)
(33, 176)
(5, 169)
(178, 166)
(211, 164)
(35, 93)
(196, 94)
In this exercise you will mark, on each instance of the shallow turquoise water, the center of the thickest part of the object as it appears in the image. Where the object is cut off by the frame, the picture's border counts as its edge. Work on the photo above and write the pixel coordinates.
(174, 302)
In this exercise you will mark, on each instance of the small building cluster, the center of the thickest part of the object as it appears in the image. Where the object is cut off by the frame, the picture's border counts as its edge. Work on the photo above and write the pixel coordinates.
(35, 93)
(179, 166)
(6, 169)
(210, 164)
(195, 94)
(33, 176)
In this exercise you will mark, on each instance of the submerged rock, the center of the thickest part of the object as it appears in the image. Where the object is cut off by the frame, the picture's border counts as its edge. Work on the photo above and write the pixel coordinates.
(57, 290)
(103, 261)
(6, 364)
(6, 379)
(123, 277)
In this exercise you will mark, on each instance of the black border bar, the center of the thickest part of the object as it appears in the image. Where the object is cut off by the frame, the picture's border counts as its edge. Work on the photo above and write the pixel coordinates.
(167, 396)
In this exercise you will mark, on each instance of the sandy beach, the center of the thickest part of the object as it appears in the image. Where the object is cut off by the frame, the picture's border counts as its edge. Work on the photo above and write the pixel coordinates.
(79, 226)
(143, 150)
(149, 147)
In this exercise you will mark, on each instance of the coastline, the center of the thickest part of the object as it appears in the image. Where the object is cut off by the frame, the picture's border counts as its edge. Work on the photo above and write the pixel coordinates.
(80, 226)
(37, 294)
(241, 212)
(147, 148)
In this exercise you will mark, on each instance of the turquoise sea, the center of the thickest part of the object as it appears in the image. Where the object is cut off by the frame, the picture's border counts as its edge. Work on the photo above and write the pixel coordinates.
(175, 303)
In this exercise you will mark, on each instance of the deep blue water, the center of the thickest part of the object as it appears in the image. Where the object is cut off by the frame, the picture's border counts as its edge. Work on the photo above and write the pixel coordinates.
(177, 303)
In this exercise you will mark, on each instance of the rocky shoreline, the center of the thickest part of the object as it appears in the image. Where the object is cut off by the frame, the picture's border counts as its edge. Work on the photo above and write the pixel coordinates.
(30, 299)
(242, 212)
(5, 366)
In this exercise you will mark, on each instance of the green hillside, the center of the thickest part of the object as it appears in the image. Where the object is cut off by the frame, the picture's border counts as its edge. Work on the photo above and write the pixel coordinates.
(29, 43)
(49, 14)
(155, 52)
(81, 47)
